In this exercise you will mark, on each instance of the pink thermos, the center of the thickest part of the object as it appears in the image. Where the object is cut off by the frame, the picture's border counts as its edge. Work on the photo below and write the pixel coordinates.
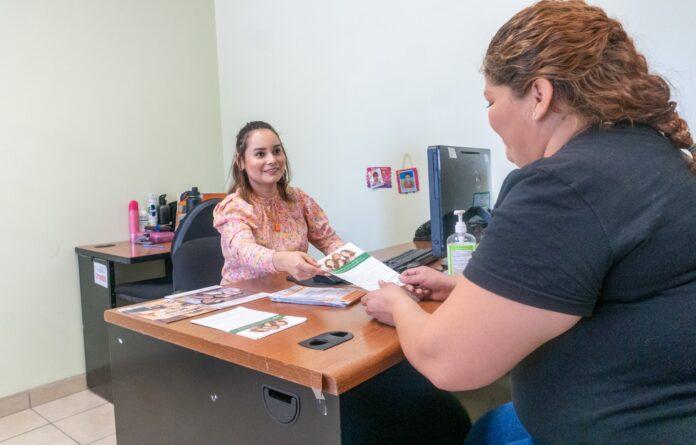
(133, 215)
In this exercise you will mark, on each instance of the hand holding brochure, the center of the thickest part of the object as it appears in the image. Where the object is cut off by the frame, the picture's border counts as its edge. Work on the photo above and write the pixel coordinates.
(249, 323)
(358, 267)
(319, 296)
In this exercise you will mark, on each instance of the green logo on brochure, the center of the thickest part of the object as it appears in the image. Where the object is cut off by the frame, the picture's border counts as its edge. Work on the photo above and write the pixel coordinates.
(362, 257)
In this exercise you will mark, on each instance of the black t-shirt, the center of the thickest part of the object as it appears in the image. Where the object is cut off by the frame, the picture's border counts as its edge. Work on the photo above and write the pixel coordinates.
(604, 229)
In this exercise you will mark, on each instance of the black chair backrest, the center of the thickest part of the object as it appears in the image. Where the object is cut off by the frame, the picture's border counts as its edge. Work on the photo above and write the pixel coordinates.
(198, 223)
(197, 264)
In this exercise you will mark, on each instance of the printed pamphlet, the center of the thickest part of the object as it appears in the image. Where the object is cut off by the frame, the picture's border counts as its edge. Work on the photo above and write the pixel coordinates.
(218, 297)
(166, 311)
(249, 323)
(189, 304)
(358, 267)
(320, 296)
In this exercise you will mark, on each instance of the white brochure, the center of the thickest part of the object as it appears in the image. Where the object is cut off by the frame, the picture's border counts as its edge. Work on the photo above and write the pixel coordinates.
(249, 323)
(358, 267)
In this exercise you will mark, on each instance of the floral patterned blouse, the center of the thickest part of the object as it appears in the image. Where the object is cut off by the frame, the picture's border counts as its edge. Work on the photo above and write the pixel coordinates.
(252, 232)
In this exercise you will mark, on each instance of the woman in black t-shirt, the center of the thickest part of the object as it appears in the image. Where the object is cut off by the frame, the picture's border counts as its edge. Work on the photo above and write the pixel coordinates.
(584, 284)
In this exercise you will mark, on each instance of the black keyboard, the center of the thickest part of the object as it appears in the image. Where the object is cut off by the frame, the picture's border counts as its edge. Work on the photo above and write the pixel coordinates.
(411, 258)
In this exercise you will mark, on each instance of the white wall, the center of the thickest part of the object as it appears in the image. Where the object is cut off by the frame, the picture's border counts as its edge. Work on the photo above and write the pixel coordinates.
(350, 84)
(100, 102)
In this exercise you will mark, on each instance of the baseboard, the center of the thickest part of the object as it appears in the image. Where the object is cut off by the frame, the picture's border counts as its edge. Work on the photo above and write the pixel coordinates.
(42, 394)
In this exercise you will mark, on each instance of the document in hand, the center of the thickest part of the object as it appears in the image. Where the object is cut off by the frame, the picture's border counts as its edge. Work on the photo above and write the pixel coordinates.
(249, 323)
(319, 296)
(358, 267)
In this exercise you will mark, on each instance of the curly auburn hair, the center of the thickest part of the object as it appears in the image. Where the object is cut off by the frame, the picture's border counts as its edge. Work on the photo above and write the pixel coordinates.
(240, 180)
(592, 64)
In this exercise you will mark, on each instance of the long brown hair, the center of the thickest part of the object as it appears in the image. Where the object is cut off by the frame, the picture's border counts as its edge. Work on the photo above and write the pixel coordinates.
(592, 64)
(240, 180)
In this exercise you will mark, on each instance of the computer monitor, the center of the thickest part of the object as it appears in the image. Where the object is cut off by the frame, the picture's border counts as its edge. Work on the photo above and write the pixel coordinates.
(459, 179)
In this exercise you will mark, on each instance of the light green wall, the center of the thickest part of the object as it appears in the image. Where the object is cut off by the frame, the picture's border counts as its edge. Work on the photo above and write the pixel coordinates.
(100, 102)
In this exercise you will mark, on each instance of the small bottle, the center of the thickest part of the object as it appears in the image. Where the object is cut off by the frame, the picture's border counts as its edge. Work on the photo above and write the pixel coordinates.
(460, 246)
(163, 211)
(151, 210)
(193, 199)
(133, 220)
(142, 220)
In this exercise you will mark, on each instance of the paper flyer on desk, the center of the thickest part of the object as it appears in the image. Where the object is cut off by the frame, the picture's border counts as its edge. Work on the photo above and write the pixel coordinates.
(319, 296)
(249, 323)
(166, 311)
(217, 297)
(358, 267)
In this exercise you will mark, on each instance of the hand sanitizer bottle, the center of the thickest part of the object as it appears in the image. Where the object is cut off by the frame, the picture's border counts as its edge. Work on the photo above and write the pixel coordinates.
(460, 246)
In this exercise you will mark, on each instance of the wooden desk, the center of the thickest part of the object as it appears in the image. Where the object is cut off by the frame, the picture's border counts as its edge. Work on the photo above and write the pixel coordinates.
(125, 252)
(95, 299)
(210, 366)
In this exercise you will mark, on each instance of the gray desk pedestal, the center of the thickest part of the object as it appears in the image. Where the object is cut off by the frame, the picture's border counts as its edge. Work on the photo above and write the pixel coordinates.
(167, 394)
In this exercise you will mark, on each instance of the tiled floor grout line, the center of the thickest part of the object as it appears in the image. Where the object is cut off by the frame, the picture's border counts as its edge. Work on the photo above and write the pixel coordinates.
(54, 425)
(66, 434)
(28, 431)
(71, 415)
(48, 422)
(108, 435)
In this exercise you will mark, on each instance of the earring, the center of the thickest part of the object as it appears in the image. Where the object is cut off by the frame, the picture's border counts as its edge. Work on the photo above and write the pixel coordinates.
(534, 116)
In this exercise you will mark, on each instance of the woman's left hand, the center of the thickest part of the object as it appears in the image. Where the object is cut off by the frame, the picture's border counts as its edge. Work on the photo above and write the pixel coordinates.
(380, 303)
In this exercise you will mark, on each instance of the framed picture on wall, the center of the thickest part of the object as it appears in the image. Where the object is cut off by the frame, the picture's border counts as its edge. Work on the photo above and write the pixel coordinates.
(407, 180)
(378, 177)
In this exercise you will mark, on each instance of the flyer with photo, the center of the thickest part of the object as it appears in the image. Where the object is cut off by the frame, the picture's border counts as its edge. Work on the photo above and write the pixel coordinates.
(358, 267)
(249, 323)
(319, 296)
(166, 310)
(217, 297)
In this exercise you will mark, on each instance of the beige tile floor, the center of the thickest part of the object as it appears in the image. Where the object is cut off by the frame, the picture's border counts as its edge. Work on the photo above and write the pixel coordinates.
(81, 418)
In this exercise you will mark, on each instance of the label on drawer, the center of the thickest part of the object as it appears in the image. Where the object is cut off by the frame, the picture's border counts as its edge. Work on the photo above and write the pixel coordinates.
(101, 275)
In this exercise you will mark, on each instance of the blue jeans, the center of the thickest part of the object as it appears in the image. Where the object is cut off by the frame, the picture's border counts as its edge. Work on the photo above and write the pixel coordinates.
(500, 426)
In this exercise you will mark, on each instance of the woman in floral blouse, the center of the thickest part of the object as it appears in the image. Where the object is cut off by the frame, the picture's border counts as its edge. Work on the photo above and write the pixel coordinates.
(265, 224)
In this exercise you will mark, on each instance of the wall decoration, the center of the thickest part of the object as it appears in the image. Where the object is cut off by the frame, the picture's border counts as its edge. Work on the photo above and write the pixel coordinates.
(378, 177)
(407, 180)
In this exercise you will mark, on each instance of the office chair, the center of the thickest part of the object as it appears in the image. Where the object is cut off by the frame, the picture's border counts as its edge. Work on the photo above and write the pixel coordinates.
(192, 266)
(196, 252)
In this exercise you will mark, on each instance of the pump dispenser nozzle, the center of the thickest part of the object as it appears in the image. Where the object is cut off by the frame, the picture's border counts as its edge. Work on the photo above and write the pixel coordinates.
(460, 226)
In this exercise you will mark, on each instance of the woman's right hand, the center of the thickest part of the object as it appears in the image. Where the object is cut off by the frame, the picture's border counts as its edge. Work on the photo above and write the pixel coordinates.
(426, 282)
(298, 264)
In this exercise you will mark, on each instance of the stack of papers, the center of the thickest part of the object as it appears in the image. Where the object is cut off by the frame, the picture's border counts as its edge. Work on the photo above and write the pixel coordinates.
(217, 297)
(320, 296)
(166, 311)
(358, 267)
(249, 323)
(189, 304)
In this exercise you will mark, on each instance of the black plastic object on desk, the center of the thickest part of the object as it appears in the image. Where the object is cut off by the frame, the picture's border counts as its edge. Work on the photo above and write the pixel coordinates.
(319, 281)
(326, 340)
